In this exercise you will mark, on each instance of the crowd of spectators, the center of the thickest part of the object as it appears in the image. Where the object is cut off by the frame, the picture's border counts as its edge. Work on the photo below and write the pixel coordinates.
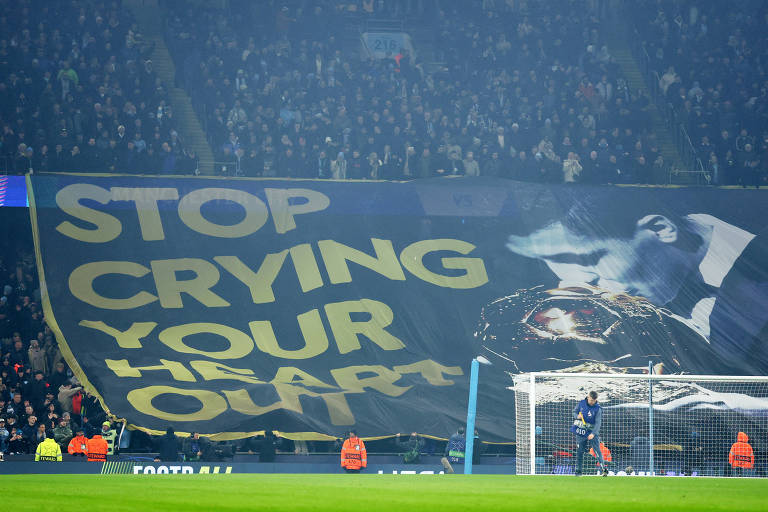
(522, 92)
(39, 397)
(711, 66)
(78, 92)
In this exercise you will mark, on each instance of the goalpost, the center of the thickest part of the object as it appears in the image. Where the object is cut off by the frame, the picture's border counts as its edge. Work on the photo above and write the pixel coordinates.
(652, 424)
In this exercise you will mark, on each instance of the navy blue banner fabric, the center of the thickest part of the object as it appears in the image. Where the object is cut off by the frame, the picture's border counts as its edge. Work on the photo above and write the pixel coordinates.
(310, 307)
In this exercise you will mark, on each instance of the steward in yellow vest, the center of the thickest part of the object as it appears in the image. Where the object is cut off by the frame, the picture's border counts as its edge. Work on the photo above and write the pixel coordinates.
(49, 450)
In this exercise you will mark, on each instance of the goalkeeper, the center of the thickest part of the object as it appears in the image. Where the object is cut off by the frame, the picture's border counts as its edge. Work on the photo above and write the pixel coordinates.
(587, 416)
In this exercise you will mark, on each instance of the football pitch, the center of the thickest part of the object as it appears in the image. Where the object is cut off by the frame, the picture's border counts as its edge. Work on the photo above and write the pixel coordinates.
(369, 493)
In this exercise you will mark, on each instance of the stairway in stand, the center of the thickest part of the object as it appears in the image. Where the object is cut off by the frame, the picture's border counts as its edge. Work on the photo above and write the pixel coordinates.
(149, 17)
(635, 80)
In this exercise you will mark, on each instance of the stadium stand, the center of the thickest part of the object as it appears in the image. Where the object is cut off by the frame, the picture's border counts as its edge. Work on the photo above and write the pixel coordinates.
(707, 67)
(287, 102)
(494, 88)
(79, 93)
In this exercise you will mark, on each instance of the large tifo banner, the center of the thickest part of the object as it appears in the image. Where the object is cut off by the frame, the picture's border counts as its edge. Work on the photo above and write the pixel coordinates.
(312, 307)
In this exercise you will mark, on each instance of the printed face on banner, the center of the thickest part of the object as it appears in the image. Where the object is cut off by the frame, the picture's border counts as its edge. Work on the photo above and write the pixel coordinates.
(641, 264)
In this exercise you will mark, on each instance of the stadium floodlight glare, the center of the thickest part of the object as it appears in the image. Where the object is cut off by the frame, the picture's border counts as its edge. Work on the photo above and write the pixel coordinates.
(652, 424)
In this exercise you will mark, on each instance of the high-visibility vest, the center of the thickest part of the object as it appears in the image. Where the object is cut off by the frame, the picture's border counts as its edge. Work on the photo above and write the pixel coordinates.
(78, 444)
(109, 436)
(604, 450)
(97, 449)
(49, 450)
(741, 455)
(353, 454)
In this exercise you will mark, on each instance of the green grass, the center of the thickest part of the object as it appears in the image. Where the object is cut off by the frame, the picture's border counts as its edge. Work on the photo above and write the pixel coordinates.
(369, 493)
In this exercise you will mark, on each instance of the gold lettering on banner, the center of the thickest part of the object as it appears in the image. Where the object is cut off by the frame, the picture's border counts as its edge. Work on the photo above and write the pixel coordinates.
(431, 371)
(283, 211)
(81, 284)
(474, 269)
(211, 403)
(346, 331)
(130, 338)
(259, 283)
(240, 401)
(315, 339)
(306, 267)
(169, 288)
(68, 200)
(336, 403)
(338, 408)
(240, 344)
(212, 370)
(122, 368)
(292, 375)
(146, 200)
(383, 380)
(290, 385)
(336, 256)
(190, 212)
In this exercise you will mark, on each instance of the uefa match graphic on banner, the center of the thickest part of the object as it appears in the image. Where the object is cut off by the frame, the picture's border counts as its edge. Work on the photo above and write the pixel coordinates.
(311, 307)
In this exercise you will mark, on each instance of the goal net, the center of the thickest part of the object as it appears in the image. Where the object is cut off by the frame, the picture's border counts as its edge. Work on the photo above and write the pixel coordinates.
(651, 424)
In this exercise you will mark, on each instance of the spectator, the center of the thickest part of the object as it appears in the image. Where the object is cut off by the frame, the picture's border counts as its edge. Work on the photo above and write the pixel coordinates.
(4, 435)
(37, 358)
(50, 417)
(18, 356)
(66, 393)
(11, 422)
(36, 389)
(62, 434)
(412, 448)
(58, 377)
(29, 434)
(667, 79)
(268, 446)
(109, 435)
(339, 167)
(494, 167)
(91, 411)
(16, 442)
(471, 167)
(196, 448)
(571, 168)
(168, 446)
(40, 435)
(323, 166)
(692, 453)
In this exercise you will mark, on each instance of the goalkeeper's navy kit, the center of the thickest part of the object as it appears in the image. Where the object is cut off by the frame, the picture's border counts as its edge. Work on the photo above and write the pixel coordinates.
(586, 420)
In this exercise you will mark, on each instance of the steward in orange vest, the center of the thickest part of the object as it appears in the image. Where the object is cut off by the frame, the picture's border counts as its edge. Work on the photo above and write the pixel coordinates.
(607, 457)
(741, 456)
(97, 449)
(353, 454)
(79, 444)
